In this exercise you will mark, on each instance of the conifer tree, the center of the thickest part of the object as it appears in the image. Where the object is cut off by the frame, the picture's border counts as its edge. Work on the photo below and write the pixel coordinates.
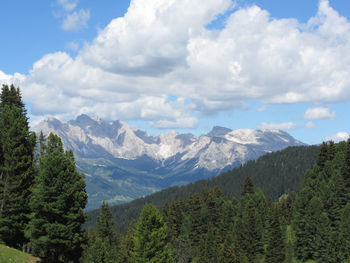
(104, 250)
(346, 173)
(345, 232)
(323, 155)
(151, 237)
(303, 231)
(210, 246)
(59, 198)
(252, 238)
(127, 246)
(275, 251)
(228, 254)
(248, 187)
(16, 167)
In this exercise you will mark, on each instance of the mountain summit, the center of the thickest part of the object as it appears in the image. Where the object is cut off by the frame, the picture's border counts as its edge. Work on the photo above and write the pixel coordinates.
(123, 163)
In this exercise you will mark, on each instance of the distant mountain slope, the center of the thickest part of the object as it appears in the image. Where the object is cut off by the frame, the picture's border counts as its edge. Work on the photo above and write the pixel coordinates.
(275, 173)
(123, 163)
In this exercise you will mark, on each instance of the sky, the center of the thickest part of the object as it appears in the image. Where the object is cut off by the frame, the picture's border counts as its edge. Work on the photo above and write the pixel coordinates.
(186, 65)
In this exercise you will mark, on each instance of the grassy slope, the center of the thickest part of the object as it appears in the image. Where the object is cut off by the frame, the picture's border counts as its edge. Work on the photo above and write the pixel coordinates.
(8, 254)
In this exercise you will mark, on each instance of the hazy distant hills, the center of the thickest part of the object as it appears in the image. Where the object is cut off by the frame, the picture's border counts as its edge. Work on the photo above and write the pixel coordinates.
(122, 163)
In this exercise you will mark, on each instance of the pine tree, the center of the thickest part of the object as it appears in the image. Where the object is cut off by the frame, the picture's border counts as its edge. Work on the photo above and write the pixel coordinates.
(210, 245)
(345, 232)
(228, 254)
(252, 238)
(16, 167)
(59, 198)
(323, 155)
(105, 247)
(248, 187)
(150, 238)
(127, 246)
(275, 251)
(346, 173)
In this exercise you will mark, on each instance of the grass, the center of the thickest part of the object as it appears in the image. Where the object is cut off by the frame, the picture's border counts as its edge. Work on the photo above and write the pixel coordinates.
(11, 255)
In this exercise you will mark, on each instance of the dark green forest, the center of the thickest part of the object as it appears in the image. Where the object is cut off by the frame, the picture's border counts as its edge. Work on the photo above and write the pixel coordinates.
(308, 225)
(287, 206)
(275, 174)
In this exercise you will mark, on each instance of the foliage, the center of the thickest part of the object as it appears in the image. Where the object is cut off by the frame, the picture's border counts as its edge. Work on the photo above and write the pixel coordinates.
(151, 237)
(16, 167)
(58, 201)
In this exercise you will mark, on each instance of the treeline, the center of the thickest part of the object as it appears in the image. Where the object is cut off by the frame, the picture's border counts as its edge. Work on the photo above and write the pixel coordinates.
(42, 196)
(311, 225)
(275, 174)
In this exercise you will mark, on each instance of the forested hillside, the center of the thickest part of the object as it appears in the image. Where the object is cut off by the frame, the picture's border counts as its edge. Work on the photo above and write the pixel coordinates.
(310, 225)
(275, 174)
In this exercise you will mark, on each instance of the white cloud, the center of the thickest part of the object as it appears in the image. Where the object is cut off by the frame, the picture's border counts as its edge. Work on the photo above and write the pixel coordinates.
(76, 21)
(163, 47)
(68, 5)
(152, 38)
(310, 125)
(340, 136)
(277, 126)
(319, 113)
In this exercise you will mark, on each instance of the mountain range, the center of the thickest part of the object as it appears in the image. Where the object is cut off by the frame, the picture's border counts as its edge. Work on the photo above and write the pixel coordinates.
(122, 163)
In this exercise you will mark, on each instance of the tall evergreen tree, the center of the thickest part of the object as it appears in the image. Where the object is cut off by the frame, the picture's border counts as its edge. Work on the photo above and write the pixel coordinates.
(127, 246)
(59, 198)
(252, 238)
(345, 232)
(248, 187)
(323, 155)
(105, 247)
(275, 250)
(151, 237)
(16, 167)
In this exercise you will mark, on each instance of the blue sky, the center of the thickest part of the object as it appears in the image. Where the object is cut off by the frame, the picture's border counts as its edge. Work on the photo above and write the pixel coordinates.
(185, 65)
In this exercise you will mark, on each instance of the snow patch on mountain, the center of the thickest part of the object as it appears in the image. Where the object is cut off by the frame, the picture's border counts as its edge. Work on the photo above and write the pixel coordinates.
(216, 150)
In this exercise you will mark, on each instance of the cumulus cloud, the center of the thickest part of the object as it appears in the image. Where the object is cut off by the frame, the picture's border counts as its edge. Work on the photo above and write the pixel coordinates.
(319, 113)
(340, 136)
(152, 38)
(277, 126)
(76, 20)
(164, 47)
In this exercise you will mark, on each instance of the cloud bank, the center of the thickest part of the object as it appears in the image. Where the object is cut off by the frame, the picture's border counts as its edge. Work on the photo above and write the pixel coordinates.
(319, 113)
(340, 136)
(160, 63)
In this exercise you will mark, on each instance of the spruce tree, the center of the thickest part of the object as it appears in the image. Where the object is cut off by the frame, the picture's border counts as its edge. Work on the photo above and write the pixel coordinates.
(59, 198)
(151, 237)
(248, 187)
(105, 247)
(345, 232)
(16, 167)
(275, 251)
(346, 173)
(127, 246)
(252, 238)
(322, 155)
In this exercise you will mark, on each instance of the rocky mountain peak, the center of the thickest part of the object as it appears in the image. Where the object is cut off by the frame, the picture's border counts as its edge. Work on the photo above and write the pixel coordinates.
(220, 147)
(218, 131)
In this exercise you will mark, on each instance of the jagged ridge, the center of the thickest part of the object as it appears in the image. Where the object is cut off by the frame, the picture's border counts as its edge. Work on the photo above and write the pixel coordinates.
(123, 163)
